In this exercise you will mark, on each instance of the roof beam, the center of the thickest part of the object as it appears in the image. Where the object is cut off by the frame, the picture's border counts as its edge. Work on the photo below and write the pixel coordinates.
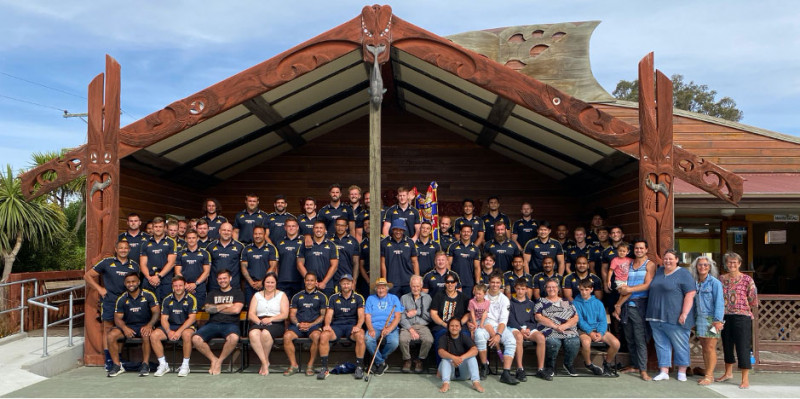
(501, 110)
(261, 109)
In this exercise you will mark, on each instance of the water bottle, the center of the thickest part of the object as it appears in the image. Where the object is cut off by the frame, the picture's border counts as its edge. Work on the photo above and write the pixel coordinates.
(752, 358)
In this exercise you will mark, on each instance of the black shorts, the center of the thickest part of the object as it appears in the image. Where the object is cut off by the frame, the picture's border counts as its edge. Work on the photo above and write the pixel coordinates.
(342, 330)
(175, 328)
(137, 330)
(109, 303)
(304, 334)
(276, 329)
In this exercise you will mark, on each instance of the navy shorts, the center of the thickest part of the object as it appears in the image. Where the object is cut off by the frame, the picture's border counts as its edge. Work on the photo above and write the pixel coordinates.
(109, 302)
(342, 330)
(304, 334)
(137, 330)
(175, 328)
(217, 330)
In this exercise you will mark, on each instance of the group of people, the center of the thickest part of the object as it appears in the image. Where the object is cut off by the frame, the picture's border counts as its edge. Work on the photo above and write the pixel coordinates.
(485, 283)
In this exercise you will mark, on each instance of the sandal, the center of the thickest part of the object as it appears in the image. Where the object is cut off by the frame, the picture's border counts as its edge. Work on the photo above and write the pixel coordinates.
(292, 370)
(310, 372)
(705, 381)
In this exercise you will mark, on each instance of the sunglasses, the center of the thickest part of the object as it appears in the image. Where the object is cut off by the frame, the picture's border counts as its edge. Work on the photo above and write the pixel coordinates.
(449, 282)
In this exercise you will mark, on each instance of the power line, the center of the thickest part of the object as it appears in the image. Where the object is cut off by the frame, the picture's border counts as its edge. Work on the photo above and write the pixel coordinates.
(33, 103)
(42, 85)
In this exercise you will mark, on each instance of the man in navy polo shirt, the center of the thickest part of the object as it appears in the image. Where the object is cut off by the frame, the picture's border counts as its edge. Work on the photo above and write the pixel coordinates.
(157, 261)
(362, 285)
(203, 240)
(469, 219)
(212, 208)
(465, 259)
(562, 236)
(246, 220)
(427, 248)
(135, 237)
(491, 218)
(113, 270)
(446, 237)
(517, 272)
(135, 315)
(343, 318)
(524, 229)
(306, 314)
(223, 305)
(581, 247)
(598, 220)
(194, 265)
(178, 315)
(349, 252)
(399, 259)
(536, 249)
(289, 279)
(172, 232)
(321, 259)
(548, 273)
(571, 286)
(183, 227)
(503, 248)
(277, 219)
(354, 195)
(225, 254)
(434, 280)
(257, 259)
(309, 216)
(336, 209)
(404, 212)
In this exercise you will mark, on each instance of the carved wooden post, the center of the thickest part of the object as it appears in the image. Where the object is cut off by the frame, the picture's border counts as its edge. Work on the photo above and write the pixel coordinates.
(376, 39)
(102, 185)
(656, 171)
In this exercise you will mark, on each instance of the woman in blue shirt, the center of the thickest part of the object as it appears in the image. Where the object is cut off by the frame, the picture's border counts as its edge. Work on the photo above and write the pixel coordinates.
(709, 310)
(670, 313)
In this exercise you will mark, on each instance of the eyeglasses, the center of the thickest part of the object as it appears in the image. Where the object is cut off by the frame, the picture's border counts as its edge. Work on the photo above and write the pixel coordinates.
(449, 282)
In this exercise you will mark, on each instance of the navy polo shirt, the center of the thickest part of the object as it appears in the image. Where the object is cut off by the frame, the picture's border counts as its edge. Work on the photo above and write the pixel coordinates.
(485, 277)
(136, 311)
(489, 222)
(307, 224)
(510, 279)
(178, 310)
(525, 230)
(345, 310)
(463, 261)
(136, 243)
(572, 281)
(572, 253)
(398, 260)
(157, 253)
(258, 259)
(180, 244)
(410, 216)
(359, 213)
(287, 259)
(538, 250)
(318, 258)
(309, 305)
(365, 254)
(192, 262)
(503, 252)
(246, 221)
(225, 257)
(591, 238)
(113, 272)
(204, 244)
(347, 246)
(329, 214)
(213, 225)
(446, 240)
(426, 255)
(475, 222)
(275, 223)
(540, 280)
(434, 281)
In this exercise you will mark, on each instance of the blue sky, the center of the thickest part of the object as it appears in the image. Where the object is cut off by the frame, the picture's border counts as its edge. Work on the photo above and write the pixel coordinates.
(742, 49)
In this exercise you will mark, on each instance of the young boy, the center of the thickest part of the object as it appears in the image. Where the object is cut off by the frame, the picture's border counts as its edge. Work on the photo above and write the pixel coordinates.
(619, 268)
(592, 327)
(522, 324)
(478, 306)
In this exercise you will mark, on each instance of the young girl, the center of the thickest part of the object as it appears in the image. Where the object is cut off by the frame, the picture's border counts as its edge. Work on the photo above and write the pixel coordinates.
(478, 306)
(619, 268)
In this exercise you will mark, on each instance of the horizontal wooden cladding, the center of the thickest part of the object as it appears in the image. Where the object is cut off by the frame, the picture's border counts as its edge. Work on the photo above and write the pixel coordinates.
(620, 199)
(414, 152)
(150, 196)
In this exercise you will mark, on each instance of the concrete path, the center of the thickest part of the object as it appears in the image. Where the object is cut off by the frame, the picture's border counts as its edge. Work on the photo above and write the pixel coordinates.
(22, 365)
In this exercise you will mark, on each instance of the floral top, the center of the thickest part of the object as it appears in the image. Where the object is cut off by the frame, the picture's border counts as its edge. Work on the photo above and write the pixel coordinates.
(740, 294)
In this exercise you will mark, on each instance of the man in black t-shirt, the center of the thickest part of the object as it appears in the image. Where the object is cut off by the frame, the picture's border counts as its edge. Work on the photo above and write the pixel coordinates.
(135, 314)
(223, 305)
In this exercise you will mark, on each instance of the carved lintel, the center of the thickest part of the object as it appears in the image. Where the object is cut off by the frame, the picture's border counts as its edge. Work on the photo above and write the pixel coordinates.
(376, 31)
(708, 176)
(54, 173)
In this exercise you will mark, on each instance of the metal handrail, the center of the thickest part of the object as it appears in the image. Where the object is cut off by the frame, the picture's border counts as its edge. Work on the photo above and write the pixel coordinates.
(21, 306)
(36, 301)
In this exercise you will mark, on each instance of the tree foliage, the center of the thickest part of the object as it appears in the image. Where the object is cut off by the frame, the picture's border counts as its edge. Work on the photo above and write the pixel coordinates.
(63, 196)
(687, 96)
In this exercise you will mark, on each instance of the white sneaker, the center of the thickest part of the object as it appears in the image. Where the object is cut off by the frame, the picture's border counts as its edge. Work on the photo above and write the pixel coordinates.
(661, 377)
(183, 371)
(682, 377)
(163, 368)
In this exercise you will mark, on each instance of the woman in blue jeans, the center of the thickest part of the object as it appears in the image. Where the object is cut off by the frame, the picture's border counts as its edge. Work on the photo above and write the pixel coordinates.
(710, 309)
(458, 352)
(670, 311)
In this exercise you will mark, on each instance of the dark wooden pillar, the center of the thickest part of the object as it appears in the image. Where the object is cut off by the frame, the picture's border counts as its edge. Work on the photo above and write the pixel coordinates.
(102, 185)
(656, 171)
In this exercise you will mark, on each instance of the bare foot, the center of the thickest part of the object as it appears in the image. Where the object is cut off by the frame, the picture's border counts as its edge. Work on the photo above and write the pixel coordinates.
(744, 385)
(707, 380)
(628, 370)
(264, 369)
(216, 367)
(211, 366)
(645, 376)
(445, 387)
(616, 312)
(476, 385)
(724, 377)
